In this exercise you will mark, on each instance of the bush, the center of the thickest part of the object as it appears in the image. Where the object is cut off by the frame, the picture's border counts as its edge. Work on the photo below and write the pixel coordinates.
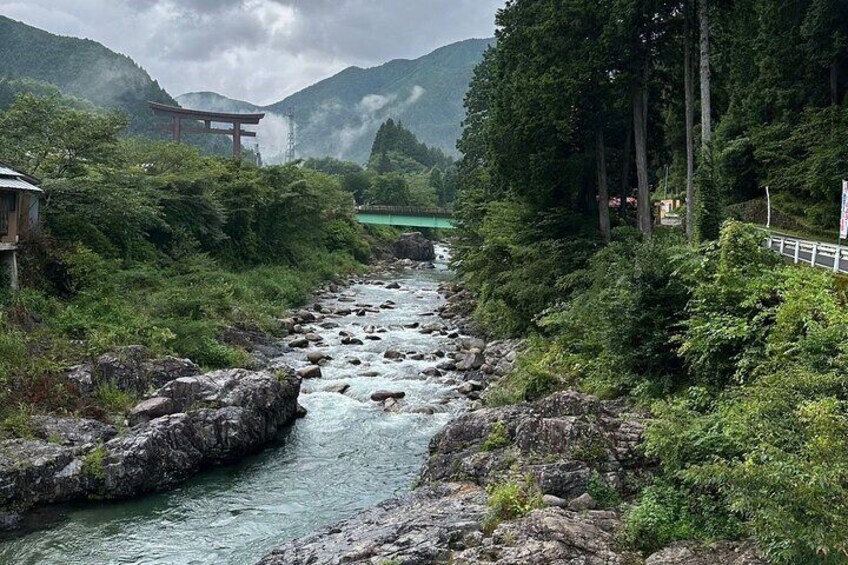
(513, 499)
(497, 438)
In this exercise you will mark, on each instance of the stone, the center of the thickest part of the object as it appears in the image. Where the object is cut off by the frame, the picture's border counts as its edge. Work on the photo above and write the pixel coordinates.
(340, 388)
(313, 337)
(555, 501)
(80, 376)
(133, 369)
(393, 286)
(309, 372)
(151, 409)
(582, 503)
(473, 361)
(299, 344)
(393, 355)
(316, 357)
(382, 395)
(414, 246)
(71, 431)
(352, 341)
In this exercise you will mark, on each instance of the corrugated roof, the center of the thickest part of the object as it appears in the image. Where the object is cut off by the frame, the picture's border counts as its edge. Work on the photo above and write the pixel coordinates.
(15, 183)
(7, 172)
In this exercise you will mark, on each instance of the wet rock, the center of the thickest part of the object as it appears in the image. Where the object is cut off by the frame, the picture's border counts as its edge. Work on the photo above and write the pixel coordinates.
(392, 405)
(431, 372)
(151, 409)
(352, 341)
(310, 372)
(301, 412)
(373, 338)
(474, 343)
(414, 246)
(446, 366)
(313, 337)
(393, 286)
(370, 374)
(355, 362)
(393, 355)
(299, 344)
(382, 395)
(416, 529)
(340, 388)
(316, 357)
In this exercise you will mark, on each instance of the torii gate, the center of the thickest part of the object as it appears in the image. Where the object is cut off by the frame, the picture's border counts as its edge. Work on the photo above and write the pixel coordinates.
(178, 114)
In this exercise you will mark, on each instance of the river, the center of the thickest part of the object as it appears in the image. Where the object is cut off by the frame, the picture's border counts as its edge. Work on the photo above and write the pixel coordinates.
(346, 455)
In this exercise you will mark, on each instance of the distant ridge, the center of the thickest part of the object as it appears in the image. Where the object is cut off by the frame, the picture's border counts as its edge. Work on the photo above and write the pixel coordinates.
(339, 116)
(81, 68)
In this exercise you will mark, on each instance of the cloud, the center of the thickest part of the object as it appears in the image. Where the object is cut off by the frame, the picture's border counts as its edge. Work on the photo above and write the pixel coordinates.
(259, 50)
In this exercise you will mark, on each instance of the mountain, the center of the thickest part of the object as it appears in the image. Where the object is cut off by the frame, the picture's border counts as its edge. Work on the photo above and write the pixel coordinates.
(79, 68)
(339, 117)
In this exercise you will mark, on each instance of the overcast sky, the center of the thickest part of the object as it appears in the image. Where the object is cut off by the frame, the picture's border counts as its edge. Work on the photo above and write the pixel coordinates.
(259, 50)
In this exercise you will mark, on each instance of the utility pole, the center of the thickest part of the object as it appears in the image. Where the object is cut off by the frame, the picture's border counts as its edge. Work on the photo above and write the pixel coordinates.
(291, 148)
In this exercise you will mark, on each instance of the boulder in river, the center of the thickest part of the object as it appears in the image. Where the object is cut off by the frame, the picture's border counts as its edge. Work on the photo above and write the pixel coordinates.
(382, 395)
(309, 372)
(414, 246)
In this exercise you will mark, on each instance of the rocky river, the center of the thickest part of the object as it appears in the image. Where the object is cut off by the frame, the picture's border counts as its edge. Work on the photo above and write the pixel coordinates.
(381, 338)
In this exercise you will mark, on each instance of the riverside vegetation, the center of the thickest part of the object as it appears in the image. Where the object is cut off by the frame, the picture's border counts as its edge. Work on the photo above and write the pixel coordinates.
(152, 244)
(739, 359)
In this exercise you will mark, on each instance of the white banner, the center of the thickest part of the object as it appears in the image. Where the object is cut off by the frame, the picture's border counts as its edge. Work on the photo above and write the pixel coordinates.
(843, 222)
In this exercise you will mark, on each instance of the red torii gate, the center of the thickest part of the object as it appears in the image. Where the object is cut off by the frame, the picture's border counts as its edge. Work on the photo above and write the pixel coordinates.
(178, 114)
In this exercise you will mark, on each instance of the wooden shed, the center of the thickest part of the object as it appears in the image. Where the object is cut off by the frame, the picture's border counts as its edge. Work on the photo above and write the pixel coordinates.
(19, 214)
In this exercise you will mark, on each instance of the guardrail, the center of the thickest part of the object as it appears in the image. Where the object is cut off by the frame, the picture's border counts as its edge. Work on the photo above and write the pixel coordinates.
(405, 210)
(814, 253)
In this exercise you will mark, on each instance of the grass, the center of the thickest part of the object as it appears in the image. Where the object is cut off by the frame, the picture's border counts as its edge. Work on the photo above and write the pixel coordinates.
(511, 500)
(92, 464)
(497, 438)
(113, 400)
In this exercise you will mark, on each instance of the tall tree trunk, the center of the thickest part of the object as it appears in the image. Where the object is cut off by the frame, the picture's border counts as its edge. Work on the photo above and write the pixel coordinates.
(625, 169)
(640, 129)
(706, 99)
(834, 83)
(690, 123)
(603, 189)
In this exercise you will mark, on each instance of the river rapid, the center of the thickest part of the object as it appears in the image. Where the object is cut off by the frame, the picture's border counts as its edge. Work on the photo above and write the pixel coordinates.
(346, 455)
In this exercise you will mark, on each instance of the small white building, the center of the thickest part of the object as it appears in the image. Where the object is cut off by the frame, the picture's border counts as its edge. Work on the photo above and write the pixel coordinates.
(19, 214)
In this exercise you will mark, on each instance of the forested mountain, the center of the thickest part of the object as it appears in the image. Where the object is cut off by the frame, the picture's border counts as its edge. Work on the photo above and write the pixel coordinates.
(79, 68)
(338, 117)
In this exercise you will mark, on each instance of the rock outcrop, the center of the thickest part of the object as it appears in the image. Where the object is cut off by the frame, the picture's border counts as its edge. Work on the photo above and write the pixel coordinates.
(414, 246)
(190, 423)
(563, 441)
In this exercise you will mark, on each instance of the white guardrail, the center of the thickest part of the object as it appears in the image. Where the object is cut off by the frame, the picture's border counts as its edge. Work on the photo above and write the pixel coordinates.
(814, 253)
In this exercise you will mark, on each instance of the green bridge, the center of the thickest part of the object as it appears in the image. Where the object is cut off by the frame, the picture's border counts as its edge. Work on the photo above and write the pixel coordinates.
(401, 216)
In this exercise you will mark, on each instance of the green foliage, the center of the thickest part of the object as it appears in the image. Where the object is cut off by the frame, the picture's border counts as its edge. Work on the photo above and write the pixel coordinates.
(535, 376)
(16, 422)
(511, 500)
(403, 151)
(604, 495)
(664, 514)
(93, 464)
(497, 438)
(113, 400)
(708, 212)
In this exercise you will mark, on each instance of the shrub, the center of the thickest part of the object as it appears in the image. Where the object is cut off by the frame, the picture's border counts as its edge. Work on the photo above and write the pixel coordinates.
(512, 499)
(604, 494)
(497, 438)
(92, 464)
(113, 400)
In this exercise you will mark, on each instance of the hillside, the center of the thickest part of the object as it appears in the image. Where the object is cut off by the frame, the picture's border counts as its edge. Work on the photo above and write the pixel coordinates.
(339, 116)
(80, 68)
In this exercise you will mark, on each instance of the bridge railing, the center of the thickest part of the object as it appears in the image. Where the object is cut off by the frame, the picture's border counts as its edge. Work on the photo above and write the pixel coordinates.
(405, 211)
(814, 253)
